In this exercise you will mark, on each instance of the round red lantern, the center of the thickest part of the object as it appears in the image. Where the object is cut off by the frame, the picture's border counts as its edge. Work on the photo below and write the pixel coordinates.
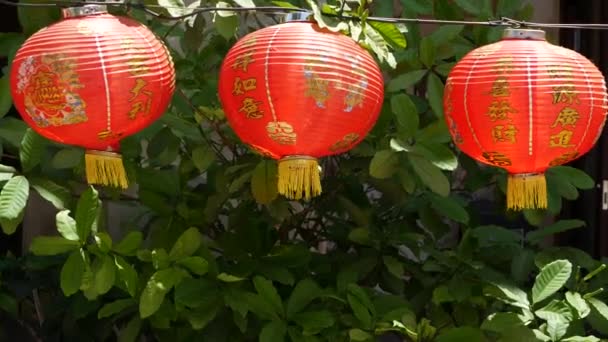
(525, 105)
(90, 80)
(296, 92)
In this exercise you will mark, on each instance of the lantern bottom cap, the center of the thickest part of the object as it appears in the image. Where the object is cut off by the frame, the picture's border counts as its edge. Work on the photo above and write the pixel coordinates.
(526, 191)
(299, 177)
(105, 168)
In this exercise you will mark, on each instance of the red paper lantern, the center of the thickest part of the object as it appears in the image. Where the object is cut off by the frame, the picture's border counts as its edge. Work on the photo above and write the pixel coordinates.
(525, 105)
(296, 92)
(91, 80)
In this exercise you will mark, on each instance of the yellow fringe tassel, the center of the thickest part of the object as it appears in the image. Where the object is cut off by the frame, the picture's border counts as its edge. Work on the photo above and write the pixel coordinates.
(526, 191)
(105, 168)
(299, 177)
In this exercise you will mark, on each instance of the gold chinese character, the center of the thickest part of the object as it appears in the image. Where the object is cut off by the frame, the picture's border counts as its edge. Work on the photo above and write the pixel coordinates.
(559, 71)
(504, 65)
(496, 158)
(140, 107)
(506, 133)
(564, 158)
(344, 143)
(500, 87)
(281, 132)
(567, 117)
(241, 86)
(107, 134)
(500, 110)
(565, 93)
(457, 137)
(561, 139)
(250, 108)
(242, 61)
(140, 83)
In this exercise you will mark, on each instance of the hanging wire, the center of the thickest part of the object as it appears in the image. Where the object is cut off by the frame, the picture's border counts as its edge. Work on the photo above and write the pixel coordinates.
(277, 10)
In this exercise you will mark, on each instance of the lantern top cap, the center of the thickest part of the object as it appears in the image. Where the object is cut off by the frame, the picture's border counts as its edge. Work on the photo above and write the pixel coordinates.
(528, 34)
(85, 10)
(297, 16)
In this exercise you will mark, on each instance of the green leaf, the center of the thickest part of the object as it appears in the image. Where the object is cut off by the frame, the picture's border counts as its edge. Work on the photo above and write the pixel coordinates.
(581, 339)
(390, 32)
(130, 332)
(284, 4)
(13, 199)
(468, 334)
(56, 194)
(475, 7)
(507, 292)
(445, 34)
(32, 149)
(115, 307)
(393, 265)
(489, 236)
(267, 291)
(304, 292)
(378, 45)
(264, 182)
(12, 131)
(405, 81)
(187, 244)
(599, 309)
(522, 265)
(273, 332)
(6, 101)
(550, 279)
(359, 335)
(202, 316)
(435, 94)
(72, 273)
(362, 307)
(558, 316)
(66, 225)
(229, 278)
(67, 158)
(195, 293)
(578, 303)
(438, 154)
(314, 321)
(384, 164)
(196, 264)
(33, 19)
(126, 274)
(430, 175)
(52, 245)
(129, 244)
(576, 177)
(226, 25)
(6, 172)
(449, 207)
(502, 322)
(428, 52)
(406, 113)
(105, 275)
(173, 7)
(87, 212)
(537, 236)
(156, 288)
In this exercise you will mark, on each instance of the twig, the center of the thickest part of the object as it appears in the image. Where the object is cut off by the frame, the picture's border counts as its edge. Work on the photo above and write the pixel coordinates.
(39, 313)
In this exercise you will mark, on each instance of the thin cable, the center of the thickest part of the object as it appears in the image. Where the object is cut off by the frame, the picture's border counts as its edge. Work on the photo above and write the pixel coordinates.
(277, 10)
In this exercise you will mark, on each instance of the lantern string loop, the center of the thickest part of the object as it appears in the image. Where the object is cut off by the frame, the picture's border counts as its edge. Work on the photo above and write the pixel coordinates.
(277, 10)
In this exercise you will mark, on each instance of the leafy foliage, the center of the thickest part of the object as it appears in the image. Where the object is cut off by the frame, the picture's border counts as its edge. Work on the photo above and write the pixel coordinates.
(396, 244)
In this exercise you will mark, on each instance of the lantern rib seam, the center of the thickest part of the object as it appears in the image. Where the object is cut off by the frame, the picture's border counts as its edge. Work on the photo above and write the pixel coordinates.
(105, 84)
(591, 97)
(530, 109)
(466, 104)
(266, 78)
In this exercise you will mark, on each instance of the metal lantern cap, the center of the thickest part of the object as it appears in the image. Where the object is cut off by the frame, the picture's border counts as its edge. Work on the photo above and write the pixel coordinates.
(518, 33)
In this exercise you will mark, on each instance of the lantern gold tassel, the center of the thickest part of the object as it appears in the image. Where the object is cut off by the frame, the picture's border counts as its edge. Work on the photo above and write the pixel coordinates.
(299, 177)
(105, 168)
(526, 191)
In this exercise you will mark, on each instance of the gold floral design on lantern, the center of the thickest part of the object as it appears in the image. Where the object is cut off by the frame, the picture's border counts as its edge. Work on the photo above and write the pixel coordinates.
(497, 158)
(281, 132)
(346, 142)
(50, 86)
(316, 86)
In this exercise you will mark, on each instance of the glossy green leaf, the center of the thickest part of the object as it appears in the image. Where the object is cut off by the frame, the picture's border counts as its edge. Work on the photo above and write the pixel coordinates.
(59, 196)
(264, 182)
(87, 212)
(550, 279)
(186, 245)
(105, 275)
(52, 245)
(127, 275)
(406, 80)
(578, 303)
(72, 273)
(269, 293)
(537, 236)
(6, 101)
(384, 164)
(32, 148)
(434, 88)
(468, 334)
(303, 294)
(406, 114)
(159, 284)
(428, 52)
(195, 265)
(273, 332)
(66, 225)
(502, 322)
(68, 158)
(129, 244)
(451, 208)
(430, 175)
(391, 33)
(115, 307)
